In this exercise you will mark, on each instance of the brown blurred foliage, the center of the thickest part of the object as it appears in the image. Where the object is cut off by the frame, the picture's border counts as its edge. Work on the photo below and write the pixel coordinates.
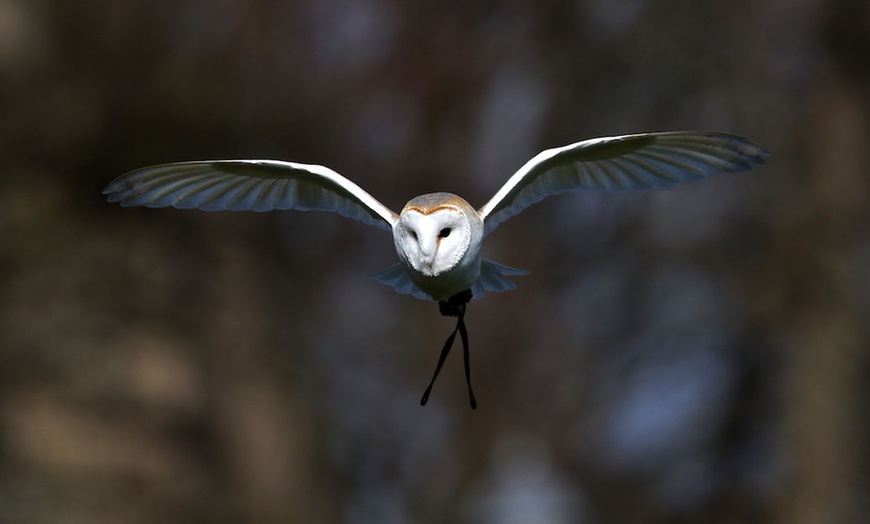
(697, 355)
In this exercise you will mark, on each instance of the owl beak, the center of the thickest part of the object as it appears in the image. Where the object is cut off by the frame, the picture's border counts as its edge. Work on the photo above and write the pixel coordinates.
(428, 261)
(427, 254)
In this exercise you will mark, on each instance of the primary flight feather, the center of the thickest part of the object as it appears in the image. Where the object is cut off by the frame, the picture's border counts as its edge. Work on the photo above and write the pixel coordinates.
(438, 236)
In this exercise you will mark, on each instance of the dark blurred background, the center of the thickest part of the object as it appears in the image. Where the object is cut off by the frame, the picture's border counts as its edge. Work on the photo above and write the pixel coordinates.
(697, 355)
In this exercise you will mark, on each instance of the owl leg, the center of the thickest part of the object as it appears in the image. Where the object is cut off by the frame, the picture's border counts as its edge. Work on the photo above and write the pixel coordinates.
(463, 334)
(454, 307)
(444, 351)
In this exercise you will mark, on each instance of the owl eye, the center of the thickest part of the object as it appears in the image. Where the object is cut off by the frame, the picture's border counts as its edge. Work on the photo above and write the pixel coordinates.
(444, 233)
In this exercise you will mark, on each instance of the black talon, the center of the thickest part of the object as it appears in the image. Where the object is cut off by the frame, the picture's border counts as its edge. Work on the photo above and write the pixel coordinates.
(454, 307)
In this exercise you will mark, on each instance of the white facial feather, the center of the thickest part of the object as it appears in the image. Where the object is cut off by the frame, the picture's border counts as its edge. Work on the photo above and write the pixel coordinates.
(432, 243)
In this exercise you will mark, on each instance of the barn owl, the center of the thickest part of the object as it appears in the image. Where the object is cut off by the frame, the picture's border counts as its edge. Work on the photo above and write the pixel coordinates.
(438, 236)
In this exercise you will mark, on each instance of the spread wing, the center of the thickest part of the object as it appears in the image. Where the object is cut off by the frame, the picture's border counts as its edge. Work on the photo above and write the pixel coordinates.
(622, 163)
(248, 185)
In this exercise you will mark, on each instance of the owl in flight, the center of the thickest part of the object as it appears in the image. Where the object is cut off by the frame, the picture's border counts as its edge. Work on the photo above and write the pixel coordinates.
(438, 236)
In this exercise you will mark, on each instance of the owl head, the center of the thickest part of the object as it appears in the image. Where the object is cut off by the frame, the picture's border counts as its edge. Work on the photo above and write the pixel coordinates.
(437, 232)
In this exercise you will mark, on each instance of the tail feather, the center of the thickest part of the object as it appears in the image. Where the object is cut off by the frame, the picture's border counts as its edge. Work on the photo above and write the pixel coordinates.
(397, 278)
(493, 277)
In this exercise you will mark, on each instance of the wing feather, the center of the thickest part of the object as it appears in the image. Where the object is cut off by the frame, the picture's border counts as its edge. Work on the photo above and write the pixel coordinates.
(622, 163)
(248, 185)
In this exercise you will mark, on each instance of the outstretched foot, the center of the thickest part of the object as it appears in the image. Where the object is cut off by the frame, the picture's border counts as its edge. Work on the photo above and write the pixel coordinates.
(455, 305)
